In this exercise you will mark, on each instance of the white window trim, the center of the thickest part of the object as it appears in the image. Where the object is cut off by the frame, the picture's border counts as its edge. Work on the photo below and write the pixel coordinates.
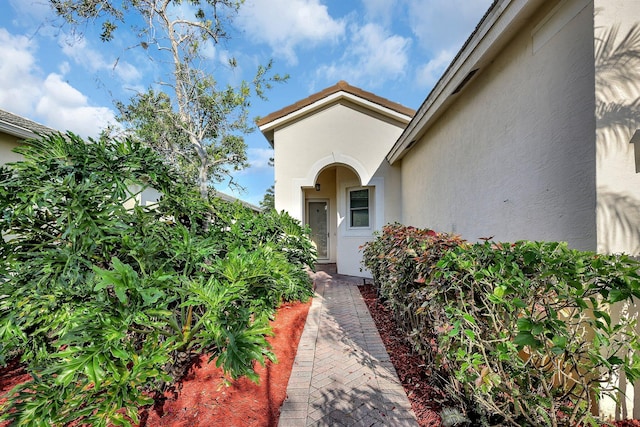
(370, 193)
(376, 210)
(359, 231)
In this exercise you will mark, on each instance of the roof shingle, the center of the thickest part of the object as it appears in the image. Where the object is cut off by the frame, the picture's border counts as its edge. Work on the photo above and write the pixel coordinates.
(20, 126)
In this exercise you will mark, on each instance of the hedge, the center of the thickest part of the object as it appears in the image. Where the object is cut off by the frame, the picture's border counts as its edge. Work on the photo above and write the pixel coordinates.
(519, 333)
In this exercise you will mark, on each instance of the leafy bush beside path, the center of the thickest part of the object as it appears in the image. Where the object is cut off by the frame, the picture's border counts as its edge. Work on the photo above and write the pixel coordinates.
(522, 334)
(107, 302)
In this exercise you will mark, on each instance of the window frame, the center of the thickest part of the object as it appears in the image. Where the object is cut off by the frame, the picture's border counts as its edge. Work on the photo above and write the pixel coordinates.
(350, 209)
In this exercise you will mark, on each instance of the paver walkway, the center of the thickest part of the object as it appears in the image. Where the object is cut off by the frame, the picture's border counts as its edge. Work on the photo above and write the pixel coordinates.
(342, 374)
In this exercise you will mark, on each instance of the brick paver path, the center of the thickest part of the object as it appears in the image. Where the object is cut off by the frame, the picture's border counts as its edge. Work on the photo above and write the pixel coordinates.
(342, 374)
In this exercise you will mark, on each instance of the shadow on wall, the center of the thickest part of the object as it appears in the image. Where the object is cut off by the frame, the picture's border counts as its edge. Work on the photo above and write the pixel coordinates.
(617, 106)
(617, 88)
(617, 59)
(619, 215)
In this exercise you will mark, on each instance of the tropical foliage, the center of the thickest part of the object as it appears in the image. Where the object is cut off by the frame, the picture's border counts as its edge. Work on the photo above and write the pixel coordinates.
(268, 200)
(106, 301)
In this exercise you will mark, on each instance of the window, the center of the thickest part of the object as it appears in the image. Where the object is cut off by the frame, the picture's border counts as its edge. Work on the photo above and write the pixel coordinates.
(359, 208)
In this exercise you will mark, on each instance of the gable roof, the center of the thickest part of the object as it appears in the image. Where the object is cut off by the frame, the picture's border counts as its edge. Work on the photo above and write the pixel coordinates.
(21, 127)
(503, 20)
(341, 90)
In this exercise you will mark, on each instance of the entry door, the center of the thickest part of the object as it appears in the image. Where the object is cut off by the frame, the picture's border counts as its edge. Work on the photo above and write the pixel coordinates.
(318, 216)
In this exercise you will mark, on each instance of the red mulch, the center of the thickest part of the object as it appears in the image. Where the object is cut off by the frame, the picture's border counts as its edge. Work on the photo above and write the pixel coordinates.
(10, 376)
(203, 400)
(423, 396)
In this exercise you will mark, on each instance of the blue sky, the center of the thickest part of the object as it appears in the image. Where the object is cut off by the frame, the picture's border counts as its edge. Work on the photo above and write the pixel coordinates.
(397, 49)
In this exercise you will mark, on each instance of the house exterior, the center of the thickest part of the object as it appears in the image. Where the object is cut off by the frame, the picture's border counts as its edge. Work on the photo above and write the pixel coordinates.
(330, 168)
(536, 144)
(531, 133)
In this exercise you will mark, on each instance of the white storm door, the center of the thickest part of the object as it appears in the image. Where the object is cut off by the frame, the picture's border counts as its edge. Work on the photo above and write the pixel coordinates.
(318, 220)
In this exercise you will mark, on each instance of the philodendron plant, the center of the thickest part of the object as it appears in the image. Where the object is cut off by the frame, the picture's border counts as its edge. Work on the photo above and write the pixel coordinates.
(106, 301)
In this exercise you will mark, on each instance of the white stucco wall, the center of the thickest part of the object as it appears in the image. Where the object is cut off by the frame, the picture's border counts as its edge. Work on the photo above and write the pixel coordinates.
(514, 156)
(618, 117)
(355, 141)
(618, 184)
(381, 186)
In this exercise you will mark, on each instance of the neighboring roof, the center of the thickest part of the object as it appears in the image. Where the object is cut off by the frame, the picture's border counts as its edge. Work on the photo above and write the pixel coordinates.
(24, 128)
(231, 199)
(503, 20)
(20, 127)
(338, 91)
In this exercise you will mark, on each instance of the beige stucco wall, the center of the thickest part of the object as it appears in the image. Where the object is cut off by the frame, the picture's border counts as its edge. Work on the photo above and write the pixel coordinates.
(8, 143)
(355, 141)
(514, 156)
(618, 184)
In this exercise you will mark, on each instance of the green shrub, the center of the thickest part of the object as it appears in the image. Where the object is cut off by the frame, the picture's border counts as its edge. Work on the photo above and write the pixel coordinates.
(107, 302)
(520, 333)
(401, 259)
(239, 228)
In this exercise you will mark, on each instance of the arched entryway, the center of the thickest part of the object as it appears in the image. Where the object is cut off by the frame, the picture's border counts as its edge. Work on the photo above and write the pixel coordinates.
(342, 214)
(322, 208)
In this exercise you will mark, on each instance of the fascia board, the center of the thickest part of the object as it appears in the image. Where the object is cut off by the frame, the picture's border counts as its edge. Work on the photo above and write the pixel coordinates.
(16, 131)
(334, 98)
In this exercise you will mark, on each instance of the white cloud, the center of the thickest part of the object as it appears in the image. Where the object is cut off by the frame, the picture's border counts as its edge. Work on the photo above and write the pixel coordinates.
(127, 72)
(64, 108)
(287, 24)
(428, 74)
(441, 27)
(64, 68)
(380, 10)
(208, 49)
(259, 159)
(373, 57)
(19, 79)
(92, 60)
(32, 12)
(50, 100)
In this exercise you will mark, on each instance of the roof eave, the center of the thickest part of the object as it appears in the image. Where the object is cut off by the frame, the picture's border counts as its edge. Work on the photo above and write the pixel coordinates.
(16, 131)
(499, 24)
(268, 128)
(231, 199)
